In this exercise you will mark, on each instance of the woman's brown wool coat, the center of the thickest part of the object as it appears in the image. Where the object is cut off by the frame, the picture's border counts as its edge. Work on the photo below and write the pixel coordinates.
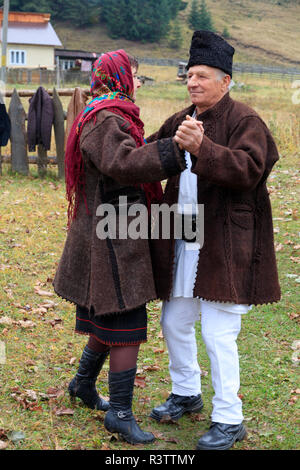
(237, 262)
(112, 275)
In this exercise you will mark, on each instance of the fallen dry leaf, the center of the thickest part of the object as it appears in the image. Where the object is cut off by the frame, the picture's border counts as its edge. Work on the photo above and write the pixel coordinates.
(64, 411)
(168, 420)
(31, 394)
(198, 417)
(27, 399)
(158, 350)
(139, 381)
(293, 400)
(144, 400)
(152, 367)
(48, 304)
(293, 315)
(43, 292)
(3, 445)
(26, 323)
(53, 392)
(105, 446)
(162, 437)
(6, 321)
(171, 439)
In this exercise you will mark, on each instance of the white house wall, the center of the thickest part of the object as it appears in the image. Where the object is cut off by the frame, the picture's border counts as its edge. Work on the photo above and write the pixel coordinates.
(35, 56)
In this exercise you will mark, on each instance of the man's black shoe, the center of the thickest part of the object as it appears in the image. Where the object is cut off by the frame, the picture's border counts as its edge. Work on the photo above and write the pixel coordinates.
(221, 436)
(176, 406)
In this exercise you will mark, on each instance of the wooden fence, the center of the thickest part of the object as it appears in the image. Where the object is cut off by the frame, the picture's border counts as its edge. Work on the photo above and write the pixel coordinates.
(47, 77)
(19, 159)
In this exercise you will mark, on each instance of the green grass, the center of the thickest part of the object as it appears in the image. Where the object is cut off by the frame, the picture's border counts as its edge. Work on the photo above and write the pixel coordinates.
(44, 355)
(262, 32)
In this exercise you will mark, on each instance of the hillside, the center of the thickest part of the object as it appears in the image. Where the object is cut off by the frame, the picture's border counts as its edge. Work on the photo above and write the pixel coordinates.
(261, 32)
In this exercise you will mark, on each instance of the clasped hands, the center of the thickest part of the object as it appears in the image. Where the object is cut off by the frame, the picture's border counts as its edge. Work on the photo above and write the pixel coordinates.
(189, 135)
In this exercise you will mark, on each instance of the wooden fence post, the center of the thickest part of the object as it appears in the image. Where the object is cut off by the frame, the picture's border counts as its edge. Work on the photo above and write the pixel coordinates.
(42, 161)
(59, 131)
(18, 136)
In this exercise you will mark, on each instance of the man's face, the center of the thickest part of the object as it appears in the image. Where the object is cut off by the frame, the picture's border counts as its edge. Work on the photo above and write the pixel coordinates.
(204, 87)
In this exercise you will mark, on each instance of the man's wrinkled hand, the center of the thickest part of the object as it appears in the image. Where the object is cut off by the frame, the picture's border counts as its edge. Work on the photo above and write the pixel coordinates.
(189, 135)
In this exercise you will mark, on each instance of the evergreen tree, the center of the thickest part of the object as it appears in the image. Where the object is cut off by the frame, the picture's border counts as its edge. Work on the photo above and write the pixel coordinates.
(175, 6)
(115, 14)
(226, 33)
(77, 12)
(194, 15)
(136, 20)
(200, 17)
(41, 6)
(205, 18)
(175, 36)
(153, 19)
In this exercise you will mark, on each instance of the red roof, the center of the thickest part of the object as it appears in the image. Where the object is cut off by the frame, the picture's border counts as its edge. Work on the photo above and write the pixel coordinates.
(26, 17)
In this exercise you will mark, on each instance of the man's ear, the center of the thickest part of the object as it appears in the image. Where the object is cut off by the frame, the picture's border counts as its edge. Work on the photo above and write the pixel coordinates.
(226, 82)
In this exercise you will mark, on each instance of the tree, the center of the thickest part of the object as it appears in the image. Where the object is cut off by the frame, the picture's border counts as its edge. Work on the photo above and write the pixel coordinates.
(137, 20)
(41, 6)
(226, 33)
(175, 6)
(77, 12)
(194, 15)
(205, 18)
(114, 14)
(175, 36)
(200, 17)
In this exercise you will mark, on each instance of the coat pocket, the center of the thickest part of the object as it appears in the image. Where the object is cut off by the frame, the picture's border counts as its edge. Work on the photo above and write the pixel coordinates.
(242, 215)
(128, 195)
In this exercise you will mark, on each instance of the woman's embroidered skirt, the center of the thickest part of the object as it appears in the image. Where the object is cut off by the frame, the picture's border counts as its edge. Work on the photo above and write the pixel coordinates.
(115, 329)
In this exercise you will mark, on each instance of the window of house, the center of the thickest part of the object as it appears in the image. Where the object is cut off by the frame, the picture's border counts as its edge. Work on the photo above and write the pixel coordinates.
(67, 64)
(17, 57)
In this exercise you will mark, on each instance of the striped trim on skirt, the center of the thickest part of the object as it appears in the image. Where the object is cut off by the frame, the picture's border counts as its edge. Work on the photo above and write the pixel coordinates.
(114, 329)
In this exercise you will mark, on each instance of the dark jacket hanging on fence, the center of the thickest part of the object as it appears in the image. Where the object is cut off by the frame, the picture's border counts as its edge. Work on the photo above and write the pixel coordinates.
(5, 126)
(40, 120)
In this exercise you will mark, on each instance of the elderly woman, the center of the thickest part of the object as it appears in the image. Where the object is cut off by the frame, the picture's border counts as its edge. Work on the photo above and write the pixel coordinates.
(110, 280)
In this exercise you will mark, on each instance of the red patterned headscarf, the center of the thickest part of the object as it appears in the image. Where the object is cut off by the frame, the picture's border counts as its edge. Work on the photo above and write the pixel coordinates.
(111, 88)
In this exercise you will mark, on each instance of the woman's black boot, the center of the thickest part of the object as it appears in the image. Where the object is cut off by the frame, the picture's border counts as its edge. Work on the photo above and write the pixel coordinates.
(83, 385)
(119, 418)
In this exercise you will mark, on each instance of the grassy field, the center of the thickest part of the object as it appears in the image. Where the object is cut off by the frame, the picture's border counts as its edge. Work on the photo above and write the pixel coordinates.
(262, 32)
(36, 327)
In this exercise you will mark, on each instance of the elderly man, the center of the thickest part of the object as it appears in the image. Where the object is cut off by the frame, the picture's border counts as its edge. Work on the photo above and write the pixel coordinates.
(229, 153)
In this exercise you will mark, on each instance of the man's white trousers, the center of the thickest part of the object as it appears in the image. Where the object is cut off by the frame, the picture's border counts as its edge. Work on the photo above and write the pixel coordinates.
(220, 330)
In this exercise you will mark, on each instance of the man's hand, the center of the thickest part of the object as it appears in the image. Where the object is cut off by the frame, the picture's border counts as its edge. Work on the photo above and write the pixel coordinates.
(189, 135)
